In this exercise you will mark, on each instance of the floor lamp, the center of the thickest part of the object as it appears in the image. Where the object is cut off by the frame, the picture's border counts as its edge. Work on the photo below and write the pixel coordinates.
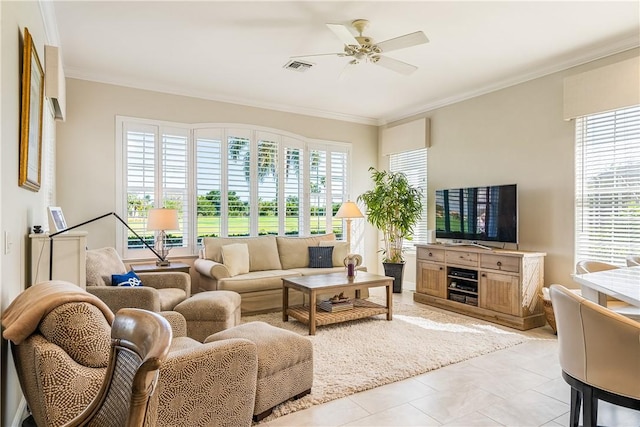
(87, 222)
(348, 211)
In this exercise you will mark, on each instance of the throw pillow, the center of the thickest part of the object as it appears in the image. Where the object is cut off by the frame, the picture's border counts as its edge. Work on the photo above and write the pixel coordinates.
(340, 251)
(129, 279)
(236, 258)
(320, 256)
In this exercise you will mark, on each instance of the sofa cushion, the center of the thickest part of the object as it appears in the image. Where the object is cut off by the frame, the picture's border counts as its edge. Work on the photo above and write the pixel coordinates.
(256, 281)
(308, 271)
(320, 256)
(263, 251)
(293, 250)
(101, 264)
(170, 297)
(340, 251)
(236, 258)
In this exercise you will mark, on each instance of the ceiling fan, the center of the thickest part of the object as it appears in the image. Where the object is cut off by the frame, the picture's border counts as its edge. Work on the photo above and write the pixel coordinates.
(364, 49)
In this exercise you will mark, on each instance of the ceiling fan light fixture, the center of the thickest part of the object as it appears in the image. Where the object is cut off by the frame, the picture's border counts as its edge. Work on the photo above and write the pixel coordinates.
(365, 49)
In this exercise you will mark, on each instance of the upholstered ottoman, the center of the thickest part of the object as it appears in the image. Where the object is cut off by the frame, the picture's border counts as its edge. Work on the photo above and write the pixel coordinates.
(209, 312)
(285, 363)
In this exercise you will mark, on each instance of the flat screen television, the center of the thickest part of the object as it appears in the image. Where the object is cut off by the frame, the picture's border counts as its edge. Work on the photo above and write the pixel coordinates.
(488, 214)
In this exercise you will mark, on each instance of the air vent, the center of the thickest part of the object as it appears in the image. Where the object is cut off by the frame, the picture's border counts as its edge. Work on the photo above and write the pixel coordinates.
(298, 66)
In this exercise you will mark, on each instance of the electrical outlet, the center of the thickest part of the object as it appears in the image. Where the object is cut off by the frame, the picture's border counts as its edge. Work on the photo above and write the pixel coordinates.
(7, 243)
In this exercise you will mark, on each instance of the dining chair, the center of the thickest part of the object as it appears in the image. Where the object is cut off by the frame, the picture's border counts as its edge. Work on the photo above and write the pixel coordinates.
(633, 260)
(599, 352)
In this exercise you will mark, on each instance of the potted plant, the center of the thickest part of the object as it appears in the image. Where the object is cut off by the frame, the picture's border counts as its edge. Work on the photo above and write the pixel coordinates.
(394, 207)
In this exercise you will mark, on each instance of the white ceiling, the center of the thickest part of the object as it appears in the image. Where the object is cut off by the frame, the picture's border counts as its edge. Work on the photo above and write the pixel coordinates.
(235, 50)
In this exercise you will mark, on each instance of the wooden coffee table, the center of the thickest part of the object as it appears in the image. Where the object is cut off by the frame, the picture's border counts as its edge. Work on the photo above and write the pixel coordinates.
(334, 283)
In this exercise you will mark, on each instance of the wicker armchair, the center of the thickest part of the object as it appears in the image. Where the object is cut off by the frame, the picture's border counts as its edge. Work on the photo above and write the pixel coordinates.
(82, 387)
(160, 291)
(63, 363)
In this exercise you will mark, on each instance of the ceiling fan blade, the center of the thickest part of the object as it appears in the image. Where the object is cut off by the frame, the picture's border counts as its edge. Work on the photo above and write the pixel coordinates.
(401, 42)
(318, 54)
(348, 69)
(343, 34)
(394, 65)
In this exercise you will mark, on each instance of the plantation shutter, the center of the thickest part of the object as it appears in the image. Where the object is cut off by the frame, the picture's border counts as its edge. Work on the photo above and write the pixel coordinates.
(238, 182)
(174, 176)
(224, 181)
(208, 182)
(140, 152)
(292, 186)
(414, 165)
(267, 183)
(338, 190)
(608, 186)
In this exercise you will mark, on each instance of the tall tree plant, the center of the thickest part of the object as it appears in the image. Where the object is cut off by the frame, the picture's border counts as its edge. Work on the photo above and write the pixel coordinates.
(393, 206)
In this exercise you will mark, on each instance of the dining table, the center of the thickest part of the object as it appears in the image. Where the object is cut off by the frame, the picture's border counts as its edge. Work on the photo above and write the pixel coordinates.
(620, 283)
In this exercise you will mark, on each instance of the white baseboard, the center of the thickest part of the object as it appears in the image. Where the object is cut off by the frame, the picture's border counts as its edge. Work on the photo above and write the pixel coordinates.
(21, 413)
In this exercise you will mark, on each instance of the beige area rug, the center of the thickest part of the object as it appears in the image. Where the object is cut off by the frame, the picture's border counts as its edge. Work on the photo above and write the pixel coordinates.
(367, 353)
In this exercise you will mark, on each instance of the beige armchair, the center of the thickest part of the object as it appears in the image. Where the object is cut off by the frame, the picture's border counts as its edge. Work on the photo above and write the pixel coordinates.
(599, 354)
(64, 361)
(160, 291)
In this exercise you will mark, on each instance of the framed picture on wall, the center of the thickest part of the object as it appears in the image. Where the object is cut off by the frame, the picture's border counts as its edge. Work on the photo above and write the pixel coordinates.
(58, 218)
(31, 116)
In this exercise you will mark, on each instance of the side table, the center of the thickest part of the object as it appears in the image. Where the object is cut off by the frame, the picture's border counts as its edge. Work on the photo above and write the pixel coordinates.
(153, 268)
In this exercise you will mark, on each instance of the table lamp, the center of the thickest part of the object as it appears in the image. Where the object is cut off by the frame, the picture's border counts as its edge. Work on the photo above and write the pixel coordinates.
(348, 211)
(162, 219)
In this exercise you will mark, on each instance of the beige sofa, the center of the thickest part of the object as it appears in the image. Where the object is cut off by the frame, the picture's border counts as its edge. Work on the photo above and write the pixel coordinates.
(270, 259)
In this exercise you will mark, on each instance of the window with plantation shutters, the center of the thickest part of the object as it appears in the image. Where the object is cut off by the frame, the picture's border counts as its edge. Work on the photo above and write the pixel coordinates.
(608, 186)
(226, 181)
(414, 165)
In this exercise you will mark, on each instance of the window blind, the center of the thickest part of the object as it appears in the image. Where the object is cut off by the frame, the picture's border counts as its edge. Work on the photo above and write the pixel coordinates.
(414, 165)
(608, 186)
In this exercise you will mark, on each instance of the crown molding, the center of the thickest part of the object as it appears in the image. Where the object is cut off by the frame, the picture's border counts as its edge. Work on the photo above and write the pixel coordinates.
(172, 90)
(583, 58)
(50, 22)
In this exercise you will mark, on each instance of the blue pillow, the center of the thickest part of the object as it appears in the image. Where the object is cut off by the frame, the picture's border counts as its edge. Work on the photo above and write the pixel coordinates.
(129, 279)
(320, 256)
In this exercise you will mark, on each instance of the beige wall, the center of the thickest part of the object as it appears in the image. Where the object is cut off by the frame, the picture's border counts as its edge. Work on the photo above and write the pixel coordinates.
(20, 208)
(515, 135)
(86, 144)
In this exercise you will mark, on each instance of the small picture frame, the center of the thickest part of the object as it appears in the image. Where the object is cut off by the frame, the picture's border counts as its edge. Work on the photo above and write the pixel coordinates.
(58, 218)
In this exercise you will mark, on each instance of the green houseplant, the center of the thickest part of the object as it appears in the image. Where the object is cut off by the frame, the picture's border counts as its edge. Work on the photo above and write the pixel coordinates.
(393, 206)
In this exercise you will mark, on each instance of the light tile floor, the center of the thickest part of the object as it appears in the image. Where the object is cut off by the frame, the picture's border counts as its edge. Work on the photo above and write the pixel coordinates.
(518, 386)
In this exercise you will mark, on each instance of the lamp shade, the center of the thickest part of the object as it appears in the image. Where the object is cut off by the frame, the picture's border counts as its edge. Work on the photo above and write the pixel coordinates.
(349, 210)
(162, 219)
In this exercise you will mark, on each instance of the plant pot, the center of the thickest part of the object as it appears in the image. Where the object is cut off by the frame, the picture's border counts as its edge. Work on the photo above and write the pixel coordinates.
(395, 270)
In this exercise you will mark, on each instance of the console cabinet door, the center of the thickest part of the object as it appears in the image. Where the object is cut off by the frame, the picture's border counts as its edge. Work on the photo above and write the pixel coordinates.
(431, 279)
(499, 292)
